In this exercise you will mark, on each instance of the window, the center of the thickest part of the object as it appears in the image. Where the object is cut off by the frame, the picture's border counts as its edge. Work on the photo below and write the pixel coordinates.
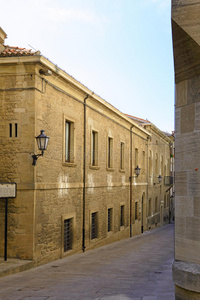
(110, 219)
(143, 162)
(156, 204)
(136, 157)
(68, 234)
(69, 141)
(94, 226)
(150, 163)
(122, 156)
(10, 129)
(122, 217)
(168, 167)
(161, 165)
(13, 130)
(94, 148)
(156, 163)
(136, 210)
(149, 211)
(110, 152)
(165, 202)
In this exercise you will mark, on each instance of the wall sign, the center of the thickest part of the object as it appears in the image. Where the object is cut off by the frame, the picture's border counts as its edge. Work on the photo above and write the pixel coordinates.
(8, 189)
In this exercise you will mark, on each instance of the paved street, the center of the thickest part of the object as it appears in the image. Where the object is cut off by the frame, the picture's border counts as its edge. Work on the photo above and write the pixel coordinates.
(137, 268)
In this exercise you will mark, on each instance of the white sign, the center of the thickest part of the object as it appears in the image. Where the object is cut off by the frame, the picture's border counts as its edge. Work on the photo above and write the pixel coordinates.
(8, 190)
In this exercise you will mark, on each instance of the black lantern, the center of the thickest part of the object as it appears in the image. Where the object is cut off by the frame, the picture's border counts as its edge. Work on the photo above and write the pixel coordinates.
(137, 171)
(42, 142)
(159, 179)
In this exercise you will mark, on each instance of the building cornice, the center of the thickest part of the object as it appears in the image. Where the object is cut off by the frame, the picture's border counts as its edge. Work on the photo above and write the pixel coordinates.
(65, 76)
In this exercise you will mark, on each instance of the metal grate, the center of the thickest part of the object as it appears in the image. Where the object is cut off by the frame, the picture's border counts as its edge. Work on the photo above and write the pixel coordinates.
(94, 226)
(68, 234)
(168, 180)
(109, 219)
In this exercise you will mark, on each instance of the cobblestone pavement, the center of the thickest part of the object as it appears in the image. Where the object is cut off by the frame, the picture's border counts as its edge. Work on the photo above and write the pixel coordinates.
(137, 268)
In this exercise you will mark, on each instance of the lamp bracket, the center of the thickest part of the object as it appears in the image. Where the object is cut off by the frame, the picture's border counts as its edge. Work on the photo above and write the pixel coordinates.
(35, 157)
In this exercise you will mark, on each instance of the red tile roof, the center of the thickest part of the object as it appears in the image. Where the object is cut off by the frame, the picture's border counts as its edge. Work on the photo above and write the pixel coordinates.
(16, 51)
(139, 120)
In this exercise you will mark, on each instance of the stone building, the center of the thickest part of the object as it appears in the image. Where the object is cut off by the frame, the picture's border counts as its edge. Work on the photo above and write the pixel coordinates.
(186, 46)
(160, 204)
(83, 192)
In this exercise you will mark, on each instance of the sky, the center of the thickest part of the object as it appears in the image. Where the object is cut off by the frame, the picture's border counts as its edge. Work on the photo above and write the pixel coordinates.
(120, 49)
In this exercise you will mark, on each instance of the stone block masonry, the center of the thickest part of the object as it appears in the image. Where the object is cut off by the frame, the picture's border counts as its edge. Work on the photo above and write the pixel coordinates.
(83, 192)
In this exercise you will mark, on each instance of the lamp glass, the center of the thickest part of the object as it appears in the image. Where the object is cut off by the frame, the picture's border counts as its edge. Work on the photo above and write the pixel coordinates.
(137, 171)
(159, 178)
(42, 141)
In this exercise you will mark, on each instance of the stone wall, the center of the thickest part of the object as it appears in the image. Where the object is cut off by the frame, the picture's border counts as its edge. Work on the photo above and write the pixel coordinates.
(186, 39)
(53, 191)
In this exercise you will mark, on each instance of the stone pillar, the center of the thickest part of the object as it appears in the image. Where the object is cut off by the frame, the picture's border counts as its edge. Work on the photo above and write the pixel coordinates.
(3, 36)
(186, 46)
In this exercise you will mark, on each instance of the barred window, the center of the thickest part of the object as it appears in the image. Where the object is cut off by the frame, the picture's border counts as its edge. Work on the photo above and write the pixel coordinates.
(68, 234)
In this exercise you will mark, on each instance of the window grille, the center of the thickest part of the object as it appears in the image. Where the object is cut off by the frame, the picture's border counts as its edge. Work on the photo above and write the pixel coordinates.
(68, 234)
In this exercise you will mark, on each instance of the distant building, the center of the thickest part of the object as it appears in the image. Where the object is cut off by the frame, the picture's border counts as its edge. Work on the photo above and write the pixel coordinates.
(186, 46)
(84, 191)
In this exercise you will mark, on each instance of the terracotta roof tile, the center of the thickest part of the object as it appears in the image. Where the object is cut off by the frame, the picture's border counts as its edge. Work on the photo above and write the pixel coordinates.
(16, 51)
(138, 119)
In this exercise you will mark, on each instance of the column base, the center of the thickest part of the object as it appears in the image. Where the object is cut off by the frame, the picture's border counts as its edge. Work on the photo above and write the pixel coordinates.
(186, 278)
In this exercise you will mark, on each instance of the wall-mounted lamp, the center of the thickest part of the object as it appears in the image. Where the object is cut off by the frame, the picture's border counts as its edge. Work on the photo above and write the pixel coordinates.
(42, 142)
(159, 179)
(137, 172)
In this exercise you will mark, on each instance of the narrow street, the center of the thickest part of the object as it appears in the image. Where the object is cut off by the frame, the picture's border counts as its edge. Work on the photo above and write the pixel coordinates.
(137, 268)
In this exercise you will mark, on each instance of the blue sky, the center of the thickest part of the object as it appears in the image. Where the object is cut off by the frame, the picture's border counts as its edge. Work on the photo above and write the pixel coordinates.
(120, 49)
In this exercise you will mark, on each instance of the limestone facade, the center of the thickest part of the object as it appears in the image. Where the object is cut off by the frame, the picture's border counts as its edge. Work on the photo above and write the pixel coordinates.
(186, 44)
(83, 192)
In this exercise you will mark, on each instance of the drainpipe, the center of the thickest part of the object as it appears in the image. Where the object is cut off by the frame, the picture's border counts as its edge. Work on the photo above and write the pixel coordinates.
(131, 178)
(84, 174)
